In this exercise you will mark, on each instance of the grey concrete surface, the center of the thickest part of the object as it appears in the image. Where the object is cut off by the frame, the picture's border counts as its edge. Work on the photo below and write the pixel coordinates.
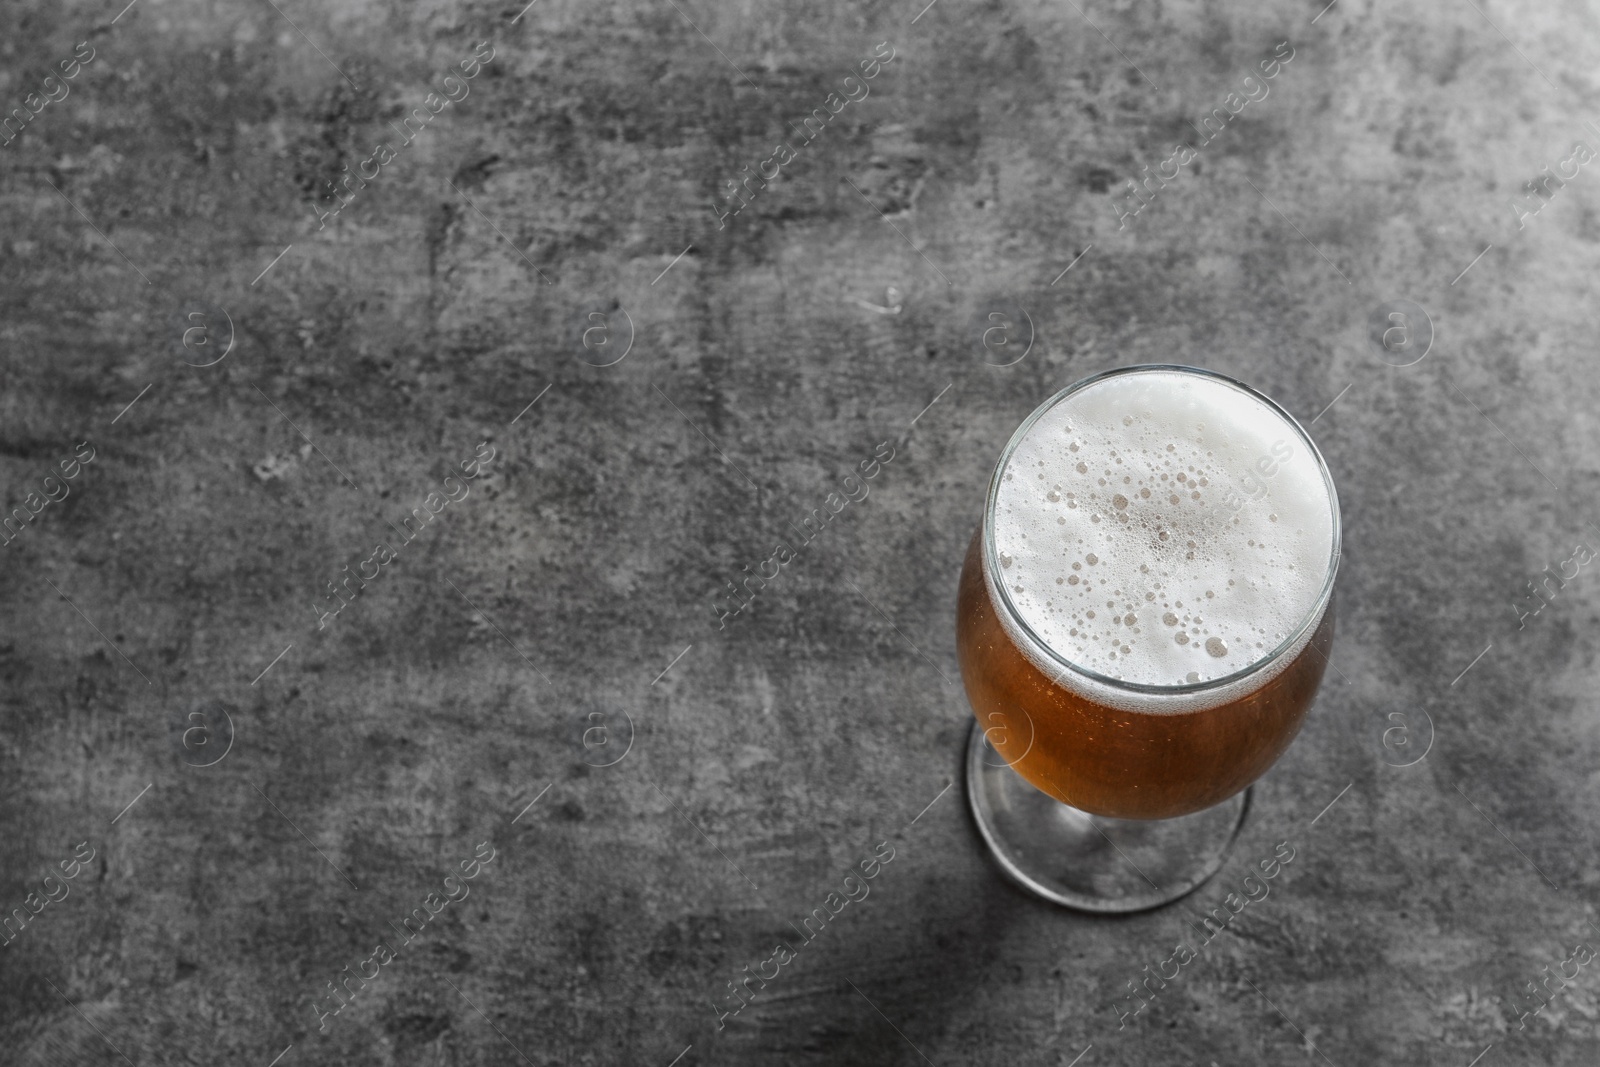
(265, 789)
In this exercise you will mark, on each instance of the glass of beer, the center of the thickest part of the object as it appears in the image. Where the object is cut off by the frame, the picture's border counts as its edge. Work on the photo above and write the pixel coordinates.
(1144, 618)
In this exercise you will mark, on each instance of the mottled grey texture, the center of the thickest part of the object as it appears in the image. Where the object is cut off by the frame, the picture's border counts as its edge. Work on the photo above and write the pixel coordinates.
(776, 754)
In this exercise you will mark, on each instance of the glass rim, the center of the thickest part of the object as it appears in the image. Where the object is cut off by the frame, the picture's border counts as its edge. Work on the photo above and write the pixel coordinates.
(991, 562)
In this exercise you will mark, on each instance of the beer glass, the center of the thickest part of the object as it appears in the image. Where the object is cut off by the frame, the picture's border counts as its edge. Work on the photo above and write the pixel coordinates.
(1144, 618)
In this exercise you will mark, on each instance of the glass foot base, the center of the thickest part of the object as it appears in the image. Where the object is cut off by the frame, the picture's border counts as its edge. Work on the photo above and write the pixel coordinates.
(1088, 861)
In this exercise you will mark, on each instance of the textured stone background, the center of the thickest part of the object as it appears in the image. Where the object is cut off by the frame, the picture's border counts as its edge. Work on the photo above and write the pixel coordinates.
(772, 756)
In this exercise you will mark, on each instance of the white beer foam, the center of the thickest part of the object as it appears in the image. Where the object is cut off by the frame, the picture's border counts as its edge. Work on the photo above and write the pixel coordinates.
(1162, 528)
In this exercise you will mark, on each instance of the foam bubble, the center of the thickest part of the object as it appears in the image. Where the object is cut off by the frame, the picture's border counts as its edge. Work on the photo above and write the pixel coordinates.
(1158, 489)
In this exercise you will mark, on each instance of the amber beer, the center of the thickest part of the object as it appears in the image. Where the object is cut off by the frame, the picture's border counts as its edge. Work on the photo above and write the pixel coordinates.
(1146, 612)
